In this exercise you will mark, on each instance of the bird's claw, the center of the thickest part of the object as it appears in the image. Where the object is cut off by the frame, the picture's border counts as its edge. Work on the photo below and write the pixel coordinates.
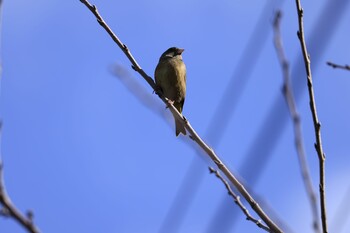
(158, 90)
(170, 102)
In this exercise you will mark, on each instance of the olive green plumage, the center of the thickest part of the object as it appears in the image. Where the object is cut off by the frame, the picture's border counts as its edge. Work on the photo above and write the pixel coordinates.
(170, 77)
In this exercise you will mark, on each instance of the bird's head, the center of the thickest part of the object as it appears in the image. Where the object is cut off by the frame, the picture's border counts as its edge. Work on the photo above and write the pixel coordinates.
(172, 52)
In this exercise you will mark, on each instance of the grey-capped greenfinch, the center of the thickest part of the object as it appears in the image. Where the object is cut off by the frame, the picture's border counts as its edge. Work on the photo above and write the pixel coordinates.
(170, 77)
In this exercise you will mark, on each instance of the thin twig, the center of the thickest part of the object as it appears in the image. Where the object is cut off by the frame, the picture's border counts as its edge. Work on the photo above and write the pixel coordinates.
(9, 210)
(317, 124)
(237, 200)
(222, 167)
(333, 65)
(298, 137)
(194, 136)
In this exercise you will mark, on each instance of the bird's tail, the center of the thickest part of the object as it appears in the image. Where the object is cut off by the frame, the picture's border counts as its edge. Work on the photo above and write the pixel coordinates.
(179, 128)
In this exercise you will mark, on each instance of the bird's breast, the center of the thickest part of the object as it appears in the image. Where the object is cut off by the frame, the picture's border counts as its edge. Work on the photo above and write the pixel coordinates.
(171, 77)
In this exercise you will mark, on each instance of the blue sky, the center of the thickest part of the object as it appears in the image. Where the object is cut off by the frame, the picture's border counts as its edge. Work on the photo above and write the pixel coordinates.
(87, 156)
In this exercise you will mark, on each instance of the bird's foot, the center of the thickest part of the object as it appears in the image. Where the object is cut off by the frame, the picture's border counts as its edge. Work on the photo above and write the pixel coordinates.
(158, 90)
(170, 102)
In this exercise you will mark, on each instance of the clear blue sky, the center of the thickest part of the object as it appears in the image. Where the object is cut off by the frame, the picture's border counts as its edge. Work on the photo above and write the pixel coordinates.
(87, 156)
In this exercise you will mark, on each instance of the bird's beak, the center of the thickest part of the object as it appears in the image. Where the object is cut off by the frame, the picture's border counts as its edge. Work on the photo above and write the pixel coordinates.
(180, 51)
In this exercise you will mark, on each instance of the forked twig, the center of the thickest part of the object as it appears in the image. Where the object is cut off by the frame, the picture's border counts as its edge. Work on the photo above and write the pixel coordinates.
(288, 94)
(317, 124)
(194, 136)
(237, 200)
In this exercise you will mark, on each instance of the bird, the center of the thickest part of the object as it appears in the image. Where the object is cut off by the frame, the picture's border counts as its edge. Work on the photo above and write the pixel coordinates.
(170, 78)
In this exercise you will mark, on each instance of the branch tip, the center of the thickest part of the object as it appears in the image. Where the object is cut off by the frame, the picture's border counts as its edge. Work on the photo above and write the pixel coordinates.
(334, 65)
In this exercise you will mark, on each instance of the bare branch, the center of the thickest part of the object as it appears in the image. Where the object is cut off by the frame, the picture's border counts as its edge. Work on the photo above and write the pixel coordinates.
(9, 210)
(288, 94)
(317, 124)
(237, 200)
(335, 66)
(194, 136)
(122, 46)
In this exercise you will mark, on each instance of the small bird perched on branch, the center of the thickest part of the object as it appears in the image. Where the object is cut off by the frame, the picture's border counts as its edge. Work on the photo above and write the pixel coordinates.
(170, 77)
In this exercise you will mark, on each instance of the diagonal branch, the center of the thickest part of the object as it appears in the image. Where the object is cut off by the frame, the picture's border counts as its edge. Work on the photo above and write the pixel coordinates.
(237, 200)
(317, 124)
(288, 93)
(122, 46)
(194, 136)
